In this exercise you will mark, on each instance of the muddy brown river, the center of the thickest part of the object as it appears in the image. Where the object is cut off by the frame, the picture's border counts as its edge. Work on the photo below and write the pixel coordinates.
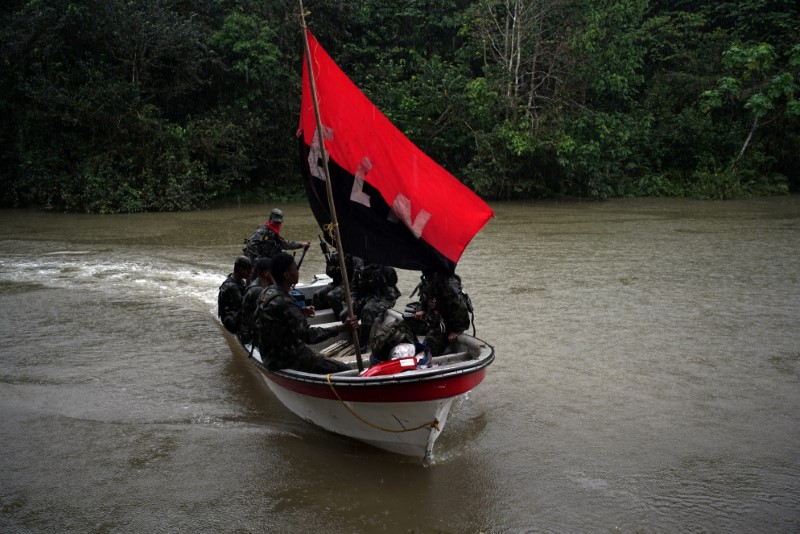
(647, 380)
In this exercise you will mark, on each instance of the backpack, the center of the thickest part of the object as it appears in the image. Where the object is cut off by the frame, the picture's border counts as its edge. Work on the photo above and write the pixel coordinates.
(389, 336)
(261, 318)
(375, 279)
(263, 242)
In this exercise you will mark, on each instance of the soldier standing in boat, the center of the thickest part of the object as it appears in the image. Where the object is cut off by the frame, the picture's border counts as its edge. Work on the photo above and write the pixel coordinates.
(284, 332)
(444, 307)
(267, 241)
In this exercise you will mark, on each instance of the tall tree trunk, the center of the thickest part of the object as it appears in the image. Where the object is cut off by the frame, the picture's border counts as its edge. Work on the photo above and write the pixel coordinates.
(747, 141)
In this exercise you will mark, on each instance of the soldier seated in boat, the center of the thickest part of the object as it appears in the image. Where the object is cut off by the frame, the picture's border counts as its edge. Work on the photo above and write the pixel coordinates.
(229, 298)
(262, 280)
(267, 241)
(332, 295)
(444, 307)
(283, 330)
(374, 291)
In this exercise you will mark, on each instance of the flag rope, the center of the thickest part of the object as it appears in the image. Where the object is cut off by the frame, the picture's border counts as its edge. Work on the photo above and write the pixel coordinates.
(332, 230)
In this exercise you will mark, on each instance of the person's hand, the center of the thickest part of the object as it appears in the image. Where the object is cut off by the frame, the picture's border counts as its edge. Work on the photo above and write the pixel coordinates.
(420, 315)
(452, 336)
(309, 311)
(306, 245)
(348, 325)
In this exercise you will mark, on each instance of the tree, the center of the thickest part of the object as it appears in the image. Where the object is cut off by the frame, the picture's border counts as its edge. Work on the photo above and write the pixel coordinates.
(130, 105)
(565, 74)
(763, 86)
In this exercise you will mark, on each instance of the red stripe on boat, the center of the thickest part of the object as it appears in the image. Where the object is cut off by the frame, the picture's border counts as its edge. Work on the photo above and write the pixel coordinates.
(382, 392)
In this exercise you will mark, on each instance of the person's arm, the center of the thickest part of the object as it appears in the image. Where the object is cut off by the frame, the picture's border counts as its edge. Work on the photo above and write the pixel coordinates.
(229, 299)
(294, 245)
(314, 334)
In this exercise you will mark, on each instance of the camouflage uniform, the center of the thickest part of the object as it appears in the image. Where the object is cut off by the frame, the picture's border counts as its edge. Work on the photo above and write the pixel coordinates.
(247, 313)
(332, 295)
(229, 302)
(322, 299)
(446, 308)
(387, 337)
(266, 243)
(336, 300)
(283, 332)
(375, 291)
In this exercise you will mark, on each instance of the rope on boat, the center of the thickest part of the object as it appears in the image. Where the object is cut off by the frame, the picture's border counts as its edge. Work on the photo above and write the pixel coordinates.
(329, 229)
(432, 424)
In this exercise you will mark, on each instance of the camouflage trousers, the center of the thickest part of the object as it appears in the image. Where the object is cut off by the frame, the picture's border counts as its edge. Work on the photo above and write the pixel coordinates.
(437, 342)
(322, 298)
(311, 362)
(370, 315)
(331, 297)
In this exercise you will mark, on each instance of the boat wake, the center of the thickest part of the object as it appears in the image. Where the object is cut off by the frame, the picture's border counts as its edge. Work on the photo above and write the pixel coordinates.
(95, 270)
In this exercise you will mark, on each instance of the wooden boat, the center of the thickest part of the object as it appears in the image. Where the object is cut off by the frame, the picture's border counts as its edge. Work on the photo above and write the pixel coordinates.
(402, 411)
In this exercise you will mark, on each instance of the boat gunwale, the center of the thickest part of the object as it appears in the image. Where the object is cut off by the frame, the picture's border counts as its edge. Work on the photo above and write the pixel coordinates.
(403, 378)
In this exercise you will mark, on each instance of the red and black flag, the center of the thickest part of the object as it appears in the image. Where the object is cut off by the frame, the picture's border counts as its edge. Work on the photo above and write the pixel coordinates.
(395, 205)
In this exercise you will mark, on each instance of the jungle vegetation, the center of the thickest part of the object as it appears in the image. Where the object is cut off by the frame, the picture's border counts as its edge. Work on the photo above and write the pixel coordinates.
(151, 105)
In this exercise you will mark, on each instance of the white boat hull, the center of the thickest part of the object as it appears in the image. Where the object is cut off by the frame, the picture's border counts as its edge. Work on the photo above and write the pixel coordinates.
(400, 412)
(407, 428)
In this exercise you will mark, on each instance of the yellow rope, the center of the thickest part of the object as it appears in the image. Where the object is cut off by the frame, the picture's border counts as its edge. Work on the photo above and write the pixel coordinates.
(329, 229)
(432, 424)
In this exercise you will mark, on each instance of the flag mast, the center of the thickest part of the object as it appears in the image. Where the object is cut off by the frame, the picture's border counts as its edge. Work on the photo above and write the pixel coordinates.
(328, 188)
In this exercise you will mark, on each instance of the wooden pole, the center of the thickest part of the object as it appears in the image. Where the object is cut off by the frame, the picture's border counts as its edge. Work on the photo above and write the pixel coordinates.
(328, 188)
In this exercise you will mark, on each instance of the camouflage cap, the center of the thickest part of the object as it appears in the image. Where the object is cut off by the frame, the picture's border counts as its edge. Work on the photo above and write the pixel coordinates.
(276, 215)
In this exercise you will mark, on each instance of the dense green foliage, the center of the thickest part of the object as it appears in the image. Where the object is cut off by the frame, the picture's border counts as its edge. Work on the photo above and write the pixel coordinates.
(135, 105)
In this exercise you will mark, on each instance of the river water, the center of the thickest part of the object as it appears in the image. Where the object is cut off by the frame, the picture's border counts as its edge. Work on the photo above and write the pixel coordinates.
(647, 379)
